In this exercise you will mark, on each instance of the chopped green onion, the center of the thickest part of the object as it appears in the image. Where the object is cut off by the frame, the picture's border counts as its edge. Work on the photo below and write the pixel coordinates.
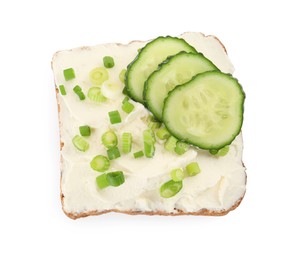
(113, 153)
(149, 141)
(181, 148)
(69, 74)
(125, 91)
(149, 150)
(81, 96)
(177, 174)
(126, 142)
(163, 133)
(125, 99)
(138, 154)
(149, 136)
(153, 123)
(127, 107)
(100, 163)
(193, 169)
(223, 151)
(62, 90)
(122, 75)
(109, 139)
(114, 117)
(80, 143)
(101, 181)
(95, 94)
(108, 62)
(85, 130)
(78, 91)
(98, 76)
(170, 188)
(170, 144)
(115, 178)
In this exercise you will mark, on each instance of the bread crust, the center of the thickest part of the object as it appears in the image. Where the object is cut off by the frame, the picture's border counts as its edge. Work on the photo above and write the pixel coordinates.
(202, 212)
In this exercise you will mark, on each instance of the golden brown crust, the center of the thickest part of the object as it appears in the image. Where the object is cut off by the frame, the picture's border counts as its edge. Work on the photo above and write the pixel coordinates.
(202, 212)
(218, 41)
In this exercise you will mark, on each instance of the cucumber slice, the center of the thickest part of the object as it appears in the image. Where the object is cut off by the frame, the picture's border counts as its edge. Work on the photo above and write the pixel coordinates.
(207, 111)
(147, 61)
(176, 70)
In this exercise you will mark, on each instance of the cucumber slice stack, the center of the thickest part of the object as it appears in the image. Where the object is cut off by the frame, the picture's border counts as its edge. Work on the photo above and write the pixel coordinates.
(147, 61)
(197, 103)
(176, 70)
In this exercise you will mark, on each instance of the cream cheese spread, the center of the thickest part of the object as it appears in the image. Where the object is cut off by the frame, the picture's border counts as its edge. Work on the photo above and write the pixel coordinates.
(218, 187)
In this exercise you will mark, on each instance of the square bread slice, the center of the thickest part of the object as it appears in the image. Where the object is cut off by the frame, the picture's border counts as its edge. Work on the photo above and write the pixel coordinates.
(218, 189)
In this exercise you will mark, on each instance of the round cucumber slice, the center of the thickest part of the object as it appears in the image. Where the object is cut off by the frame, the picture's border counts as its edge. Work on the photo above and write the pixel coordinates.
(176, 70)
(207, 111)
(154, 53)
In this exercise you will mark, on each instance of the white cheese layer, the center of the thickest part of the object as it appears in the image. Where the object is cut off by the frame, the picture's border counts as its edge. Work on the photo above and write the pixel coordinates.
(219, 185)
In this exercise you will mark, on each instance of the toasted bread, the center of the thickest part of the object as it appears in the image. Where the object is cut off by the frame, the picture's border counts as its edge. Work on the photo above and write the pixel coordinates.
(80, 197)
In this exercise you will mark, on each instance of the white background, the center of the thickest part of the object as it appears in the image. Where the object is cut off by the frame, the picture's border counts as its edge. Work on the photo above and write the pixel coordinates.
(262, 40)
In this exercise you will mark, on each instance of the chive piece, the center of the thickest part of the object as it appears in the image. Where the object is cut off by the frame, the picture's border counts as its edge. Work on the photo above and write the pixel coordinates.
(149, 150)
(108, 62)
(223, 151)
(122, 75)
(78, 91)
(100, 163)
(170, 144)
(193, 169)
(181, 148)
(115, 178)
(109, 139)
(127, 107)
(101, 181)
(85, 130)
(62, 90)
(163, 133)
(126, 142)
(125, 91)
(153, 123)
(98, 76)
(80, 143)
(125, 99)
(95, 94)
(114, 117)
(138, 154)
(149, 141)
(81, 96)
(170, 188)
(150, 137)
(113, 153)
(69, 74)
(177, 174)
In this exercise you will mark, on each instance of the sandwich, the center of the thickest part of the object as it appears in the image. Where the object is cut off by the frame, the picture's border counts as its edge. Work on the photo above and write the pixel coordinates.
(150, 127)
